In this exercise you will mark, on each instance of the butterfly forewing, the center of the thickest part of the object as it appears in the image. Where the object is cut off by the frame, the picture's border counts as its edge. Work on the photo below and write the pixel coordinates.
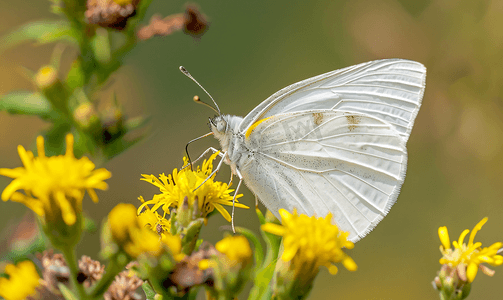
(390, 90)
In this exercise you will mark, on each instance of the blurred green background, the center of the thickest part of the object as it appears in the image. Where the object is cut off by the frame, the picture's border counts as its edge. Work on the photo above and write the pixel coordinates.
(254, 48)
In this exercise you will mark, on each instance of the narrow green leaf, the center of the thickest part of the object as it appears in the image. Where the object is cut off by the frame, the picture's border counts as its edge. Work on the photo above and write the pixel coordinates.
(76, 76)
(120, 145)
(148, 290)
(65, 291)
(136, 123)
(40, 31)
(259, 251)
(101, 46)
(27, 103)
(262, 284)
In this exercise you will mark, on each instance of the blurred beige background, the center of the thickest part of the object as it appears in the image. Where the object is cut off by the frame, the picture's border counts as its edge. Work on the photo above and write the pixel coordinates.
(253, 49)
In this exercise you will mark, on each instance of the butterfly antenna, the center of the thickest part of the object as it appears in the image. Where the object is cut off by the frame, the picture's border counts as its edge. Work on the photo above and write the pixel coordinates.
(199, 101)
(184, 71)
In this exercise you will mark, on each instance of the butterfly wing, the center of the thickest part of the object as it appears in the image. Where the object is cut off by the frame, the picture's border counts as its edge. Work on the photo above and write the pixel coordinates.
(390, 90)
(322, 161)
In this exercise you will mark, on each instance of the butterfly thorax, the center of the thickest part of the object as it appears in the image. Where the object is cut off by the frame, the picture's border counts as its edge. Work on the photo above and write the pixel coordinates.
(223, 128)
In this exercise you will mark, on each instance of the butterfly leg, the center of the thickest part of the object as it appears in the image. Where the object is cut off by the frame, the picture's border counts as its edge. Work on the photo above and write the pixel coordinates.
(202, 155)
(214, 171)
(238, 174)
(230, 181)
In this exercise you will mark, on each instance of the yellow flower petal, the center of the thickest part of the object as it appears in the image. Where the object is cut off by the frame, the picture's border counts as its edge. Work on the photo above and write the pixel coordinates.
(443, 234)
(476, 229)
(471, 271)
(273, 228)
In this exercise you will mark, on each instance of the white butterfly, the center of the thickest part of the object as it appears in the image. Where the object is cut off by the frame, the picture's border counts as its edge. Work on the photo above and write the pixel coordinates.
(331, 143)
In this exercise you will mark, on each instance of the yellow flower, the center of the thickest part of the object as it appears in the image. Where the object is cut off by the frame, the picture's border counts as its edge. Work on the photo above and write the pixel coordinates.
(153, 220)
(311, 242)
(235, 248)
(187, 183)
(174, 244)
(470, 255)
(46, 77)
(54, 184)
(22, 282)
(129, 234)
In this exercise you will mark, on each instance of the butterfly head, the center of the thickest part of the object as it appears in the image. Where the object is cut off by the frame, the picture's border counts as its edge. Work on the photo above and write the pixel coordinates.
(218, 126)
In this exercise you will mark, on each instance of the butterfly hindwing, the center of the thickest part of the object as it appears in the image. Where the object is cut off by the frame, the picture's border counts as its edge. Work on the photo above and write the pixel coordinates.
(322, 161)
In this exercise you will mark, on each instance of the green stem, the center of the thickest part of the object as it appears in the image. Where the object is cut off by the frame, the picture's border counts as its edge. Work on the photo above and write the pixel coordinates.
(71, 261)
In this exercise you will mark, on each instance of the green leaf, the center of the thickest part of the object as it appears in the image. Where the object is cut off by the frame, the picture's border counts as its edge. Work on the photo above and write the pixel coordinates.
(41, 31)
(76, 76)
(259, 252)
(65, 291)
(119, 145)
(262, 284)
(28, 103)
(89, 224)
(263, 276)
(148, 290)
(136, 123)
(101, 46)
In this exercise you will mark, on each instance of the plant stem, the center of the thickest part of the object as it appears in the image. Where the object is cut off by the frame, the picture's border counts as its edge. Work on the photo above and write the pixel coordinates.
(71, 261)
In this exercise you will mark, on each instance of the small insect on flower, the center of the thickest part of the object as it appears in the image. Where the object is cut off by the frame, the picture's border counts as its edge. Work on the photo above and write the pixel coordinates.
(153, 220)
(467, 258)
(54, 186)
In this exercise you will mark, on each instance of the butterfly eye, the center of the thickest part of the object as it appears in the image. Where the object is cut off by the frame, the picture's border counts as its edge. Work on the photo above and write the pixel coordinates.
(212, 123)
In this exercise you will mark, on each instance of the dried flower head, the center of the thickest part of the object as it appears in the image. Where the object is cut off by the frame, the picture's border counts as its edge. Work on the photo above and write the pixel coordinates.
(196, 23)
(188, 272)
(90, 271)
(55, 270)
(110, 13)
(193, 22)
(124, 287)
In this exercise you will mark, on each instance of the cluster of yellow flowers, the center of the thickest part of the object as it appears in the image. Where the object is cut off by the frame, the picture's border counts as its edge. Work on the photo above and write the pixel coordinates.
(54, 188)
